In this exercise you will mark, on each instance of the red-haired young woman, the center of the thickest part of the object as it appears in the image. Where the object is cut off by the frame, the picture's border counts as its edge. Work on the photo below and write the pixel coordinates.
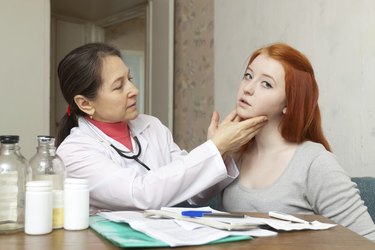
(288, 166)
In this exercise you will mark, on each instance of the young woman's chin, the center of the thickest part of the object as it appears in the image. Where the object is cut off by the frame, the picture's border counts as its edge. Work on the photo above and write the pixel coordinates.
(245, 114)
(245, 117)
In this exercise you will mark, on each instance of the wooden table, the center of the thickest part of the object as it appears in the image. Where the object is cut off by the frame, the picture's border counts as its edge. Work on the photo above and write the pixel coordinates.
(335, 238)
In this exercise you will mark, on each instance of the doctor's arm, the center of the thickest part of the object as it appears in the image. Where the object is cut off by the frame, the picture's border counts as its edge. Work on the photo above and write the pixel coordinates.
(127, 188)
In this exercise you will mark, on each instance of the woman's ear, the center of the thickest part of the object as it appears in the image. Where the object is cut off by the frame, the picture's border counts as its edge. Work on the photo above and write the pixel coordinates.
(84, 104)
(284, 110)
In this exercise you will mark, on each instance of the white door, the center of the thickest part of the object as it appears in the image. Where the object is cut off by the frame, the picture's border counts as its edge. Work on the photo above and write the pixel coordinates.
(160, 60)
(157, 98)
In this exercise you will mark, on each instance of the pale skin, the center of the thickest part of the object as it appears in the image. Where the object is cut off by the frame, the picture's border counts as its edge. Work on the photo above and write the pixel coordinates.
(262, 92)
(116, 102)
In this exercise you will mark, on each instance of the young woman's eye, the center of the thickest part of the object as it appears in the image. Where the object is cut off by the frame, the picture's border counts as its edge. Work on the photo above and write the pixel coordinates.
(248, 76)
(267, 85)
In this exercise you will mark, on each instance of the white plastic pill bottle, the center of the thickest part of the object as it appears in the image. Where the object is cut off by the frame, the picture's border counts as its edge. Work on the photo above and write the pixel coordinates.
(38, 207)
(76, 204)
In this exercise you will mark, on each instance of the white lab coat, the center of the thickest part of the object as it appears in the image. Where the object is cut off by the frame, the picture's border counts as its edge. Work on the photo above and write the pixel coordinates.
(117, 183)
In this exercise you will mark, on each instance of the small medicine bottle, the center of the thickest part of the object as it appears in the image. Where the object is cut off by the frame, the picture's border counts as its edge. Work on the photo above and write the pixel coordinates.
(46, 165)
(76, 204)
(38, 212)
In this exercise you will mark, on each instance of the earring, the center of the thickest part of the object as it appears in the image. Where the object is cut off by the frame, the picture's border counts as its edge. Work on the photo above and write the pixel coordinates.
(90, 116)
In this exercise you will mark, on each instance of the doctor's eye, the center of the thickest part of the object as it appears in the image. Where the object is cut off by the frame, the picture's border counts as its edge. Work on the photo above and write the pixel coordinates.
(248, 76)
(130, 78)
(119, 86)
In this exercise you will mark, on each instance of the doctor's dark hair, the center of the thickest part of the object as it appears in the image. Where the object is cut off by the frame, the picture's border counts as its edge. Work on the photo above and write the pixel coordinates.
(302, 120)
(79, 73)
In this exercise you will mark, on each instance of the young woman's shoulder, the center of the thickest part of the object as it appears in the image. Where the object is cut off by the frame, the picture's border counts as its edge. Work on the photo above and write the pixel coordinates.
(314, 150)
(321, 160)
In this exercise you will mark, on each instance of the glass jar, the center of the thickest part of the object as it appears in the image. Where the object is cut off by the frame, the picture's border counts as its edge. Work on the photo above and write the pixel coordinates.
(24, 161)
(46, 165)
(12, 186)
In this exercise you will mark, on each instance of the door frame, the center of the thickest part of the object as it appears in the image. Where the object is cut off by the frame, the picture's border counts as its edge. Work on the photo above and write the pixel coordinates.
(159, 65)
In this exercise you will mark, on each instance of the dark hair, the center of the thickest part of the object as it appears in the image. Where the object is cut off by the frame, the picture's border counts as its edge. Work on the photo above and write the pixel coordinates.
(302, 120)
(79, 73)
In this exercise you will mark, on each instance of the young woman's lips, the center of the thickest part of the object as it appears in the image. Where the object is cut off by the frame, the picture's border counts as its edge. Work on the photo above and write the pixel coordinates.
(242, 102)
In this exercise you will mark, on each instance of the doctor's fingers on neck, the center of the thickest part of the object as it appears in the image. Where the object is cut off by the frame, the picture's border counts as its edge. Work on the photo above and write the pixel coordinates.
(252, 122)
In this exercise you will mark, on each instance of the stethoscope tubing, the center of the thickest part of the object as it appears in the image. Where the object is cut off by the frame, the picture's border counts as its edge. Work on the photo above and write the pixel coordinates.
(133, 157)
(121, 152)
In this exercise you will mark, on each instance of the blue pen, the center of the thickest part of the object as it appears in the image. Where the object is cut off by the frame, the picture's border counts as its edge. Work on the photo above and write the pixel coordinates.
(200, 213)
(195, 213)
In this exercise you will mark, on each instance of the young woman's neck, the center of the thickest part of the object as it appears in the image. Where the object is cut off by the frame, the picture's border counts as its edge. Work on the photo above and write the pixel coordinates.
(269, 139)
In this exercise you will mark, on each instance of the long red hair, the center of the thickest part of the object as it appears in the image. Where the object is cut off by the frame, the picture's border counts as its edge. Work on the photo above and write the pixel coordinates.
(302, 120)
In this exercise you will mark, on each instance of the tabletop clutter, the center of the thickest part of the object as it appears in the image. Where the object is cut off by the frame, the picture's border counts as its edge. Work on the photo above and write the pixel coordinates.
(35, 195)
(183, 226)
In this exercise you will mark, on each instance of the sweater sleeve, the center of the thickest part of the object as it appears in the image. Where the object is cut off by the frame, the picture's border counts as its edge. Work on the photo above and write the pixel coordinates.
(332, 194)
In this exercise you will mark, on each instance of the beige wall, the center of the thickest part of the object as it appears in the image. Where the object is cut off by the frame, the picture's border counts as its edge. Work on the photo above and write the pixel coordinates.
(24, 70)
(193, 69)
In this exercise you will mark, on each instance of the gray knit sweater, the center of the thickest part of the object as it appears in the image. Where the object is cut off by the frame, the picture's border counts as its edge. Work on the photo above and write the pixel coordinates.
(313, 183)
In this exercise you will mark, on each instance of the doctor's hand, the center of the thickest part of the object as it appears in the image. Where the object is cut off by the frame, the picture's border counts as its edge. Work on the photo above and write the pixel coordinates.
(231, 134)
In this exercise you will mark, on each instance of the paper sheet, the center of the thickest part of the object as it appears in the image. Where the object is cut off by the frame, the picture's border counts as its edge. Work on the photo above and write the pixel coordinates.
(290, 226)
(274, 223)
(174, 235)
(190, 231)
(167, 230)
(257, 232)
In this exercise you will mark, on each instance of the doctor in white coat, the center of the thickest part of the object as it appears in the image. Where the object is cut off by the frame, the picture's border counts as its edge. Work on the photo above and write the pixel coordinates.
(130, 159)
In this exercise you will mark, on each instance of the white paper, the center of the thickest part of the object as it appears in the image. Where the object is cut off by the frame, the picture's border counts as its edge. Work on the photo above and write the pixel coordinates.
(171, 233)
(123, 216)
(257, 232)
(167, 230)
(290, 226)
(181, 231)
(274, 223)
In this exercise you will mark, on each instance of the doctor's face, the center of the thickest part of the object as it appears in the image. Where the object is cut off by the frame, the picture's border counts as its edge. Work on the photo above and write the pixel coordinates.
(117, 97)
(262, 89)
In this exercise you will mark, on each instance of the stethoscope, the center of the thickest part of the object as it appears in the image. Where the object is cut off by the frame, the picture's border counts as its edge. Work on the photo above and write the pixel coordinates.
(132, 156)
(125, 154)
